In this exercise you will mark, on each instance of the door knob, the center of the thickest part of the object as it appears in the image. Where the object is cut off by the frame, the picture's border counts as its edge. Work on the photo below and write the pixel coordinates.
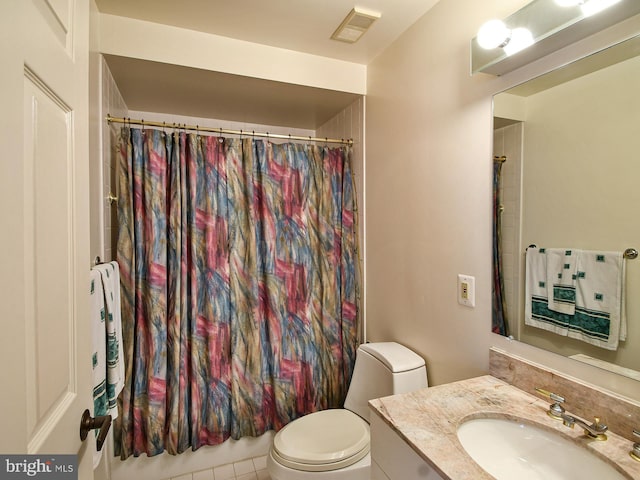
(88, 423)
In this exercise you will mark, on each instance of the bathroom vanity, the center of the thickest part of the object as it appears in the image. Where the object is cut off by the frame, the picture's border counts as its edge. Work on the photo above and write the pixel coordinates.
(415, 435)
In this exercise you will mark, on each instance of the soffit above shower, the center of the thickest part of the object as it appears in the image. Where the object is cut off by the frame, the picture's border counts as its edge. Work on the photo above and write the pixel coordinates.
(164, 88)
(303, 26)
(251, 61)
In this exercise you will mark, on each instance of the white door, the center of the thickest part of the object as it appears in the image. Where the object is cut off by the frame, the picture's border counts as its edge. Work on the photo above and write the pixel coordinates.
(45, 335)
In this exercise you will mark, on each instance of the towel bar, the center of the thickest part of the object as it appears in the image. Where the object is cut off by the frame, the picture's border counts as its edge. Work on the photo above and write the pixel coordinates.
(629, 253)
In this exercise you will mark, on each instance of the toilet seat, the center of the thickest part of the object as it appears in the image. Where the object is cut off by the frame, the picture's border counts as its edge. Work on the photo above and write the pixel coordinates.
(322, 441)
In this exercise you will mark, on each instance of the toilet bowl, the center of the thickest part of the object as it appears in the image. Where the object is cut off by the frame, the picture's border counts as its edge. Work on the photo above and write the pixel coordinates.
(334, 444)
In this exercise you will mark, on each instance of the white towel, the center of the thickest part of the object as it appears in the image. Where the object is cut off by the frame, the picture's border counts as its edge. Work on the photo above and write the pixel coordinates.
(537, 312)
(600, 317)
(99, 355)
(110, 276)
(561, 279)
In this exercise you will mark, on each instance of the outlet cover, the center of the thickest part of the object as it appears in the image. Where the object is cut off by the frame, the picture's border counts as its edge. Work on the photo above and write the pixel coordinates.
(466, 290)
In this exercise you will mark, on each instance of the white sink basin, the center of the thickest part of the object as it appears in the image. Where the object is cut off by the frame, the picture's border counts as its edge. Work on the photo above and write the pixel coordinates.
(510, 449)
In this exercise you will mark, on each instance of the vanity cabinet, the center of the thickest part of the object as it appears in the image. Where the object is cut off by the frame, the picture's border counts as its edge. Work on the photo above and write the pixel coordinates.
(392, 458)
(415, 435)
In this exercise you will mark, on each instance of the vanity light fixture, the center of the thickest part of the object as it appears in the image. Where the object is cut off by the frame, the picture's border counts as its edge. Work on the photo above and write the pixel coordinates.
(495, 34)
(592, 7)
(588, 7)
(540, 28)
(355, 25)
(521, 38)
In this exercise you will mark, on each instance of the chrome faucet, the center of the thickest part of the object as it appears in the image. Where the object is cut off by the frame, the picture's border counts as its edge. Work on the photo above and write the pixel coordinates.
(595, 430)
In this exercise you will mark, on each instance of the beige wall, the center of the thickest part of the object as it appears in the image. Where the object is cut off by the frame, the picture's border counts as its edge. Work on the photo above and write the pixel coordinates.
(428, 184)
(429, 190)
(581, 183)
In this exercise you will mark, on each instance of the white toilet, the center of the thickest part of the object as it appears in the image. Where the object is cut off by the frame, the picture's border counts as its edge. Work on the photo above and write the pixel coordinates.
(334, 444)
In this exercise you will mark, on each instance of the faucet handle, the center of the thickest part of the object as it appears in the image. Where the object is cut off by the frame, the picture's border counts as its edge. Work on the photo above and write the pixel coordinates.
(553, 396)
(555, 409)
(600, 427)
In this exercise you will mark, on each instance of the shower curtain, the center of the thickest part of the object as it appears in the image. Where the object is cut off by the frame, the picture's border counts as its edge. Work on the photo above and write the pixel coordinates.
(239, 286)
(498, 321)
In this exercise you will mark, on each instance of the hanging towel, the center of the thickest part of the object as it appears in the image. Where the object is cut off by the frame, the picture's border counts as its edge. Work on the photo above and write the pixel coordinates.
(600, 317)
(110, 277)
(537, 312)
(561, 280)
(98, 357)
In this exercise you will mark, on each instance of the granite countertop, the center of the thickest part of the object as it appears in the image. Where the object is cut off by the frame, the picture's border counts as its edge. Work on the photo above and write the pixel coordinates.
(428, 420)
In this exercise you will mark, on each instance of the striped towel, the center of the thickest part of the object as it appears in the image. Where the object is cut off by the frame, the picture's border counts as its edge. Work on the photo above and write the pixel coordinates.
(537, 312)
(600, 317)
(99, 355)
(561, 280)
(598, 313)
(110, 277)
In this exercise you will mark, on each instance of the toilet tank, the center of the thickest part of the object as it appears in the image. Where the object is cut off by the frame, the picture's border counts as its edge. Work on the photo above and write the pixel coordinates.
(383, 369)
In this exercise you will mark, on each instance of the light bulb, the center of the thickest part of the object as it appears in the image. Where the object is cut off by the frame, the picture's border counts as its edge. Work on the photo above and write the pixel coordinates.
(521, 38)
(592, 7)
(492, 34)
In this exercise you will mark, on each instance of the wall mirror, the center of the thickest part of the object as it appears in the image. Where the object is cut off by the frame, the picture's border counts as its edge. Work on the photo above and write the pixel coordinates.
(568, 176)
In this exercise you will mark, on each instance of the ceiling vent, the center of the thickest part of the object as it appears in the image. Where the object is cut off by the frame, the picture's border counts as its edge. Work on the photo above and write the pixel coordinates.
(355, 24)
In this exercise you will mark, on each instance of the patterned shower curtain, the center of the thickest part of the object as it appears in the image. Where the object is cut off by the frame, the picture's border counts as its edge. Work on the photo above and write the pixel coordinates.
(239, 286)
(499, 320)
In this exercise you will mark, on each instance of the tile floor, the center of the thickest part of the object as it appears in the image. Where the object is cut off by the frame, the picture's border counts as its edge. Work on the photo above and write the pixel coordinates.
(251, 469)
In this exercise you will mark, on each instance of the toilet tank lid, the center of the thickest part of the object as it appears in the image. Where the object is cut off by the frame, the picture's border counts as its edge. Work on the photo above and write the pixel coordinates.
(396, 357)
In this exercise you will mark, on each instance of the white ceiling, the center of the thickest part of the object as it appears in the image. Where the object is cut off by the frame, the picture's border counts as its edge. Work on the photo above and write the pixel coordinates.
(299, 25)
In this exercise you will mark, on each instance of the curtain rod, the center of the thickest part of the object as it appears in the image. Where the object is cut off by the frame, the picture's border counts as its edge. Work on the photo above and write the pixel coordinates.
(196, 128)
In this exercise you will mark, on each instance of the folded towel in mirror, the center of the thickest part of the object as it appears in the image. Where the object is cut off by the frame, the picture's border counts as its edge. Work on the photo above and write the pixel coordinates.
(597, 312)
(561, 280)
(537, 312)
